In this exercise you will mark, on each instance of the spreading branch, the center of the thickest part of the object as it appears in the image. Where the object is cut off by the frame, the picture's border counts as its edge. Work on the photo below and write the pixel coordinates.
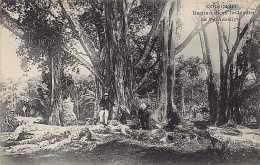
(244, 93)
(20, 30)
(152, 35)
(83, 38)
(12, 24)
(194, 32)
(84, 62)
(240, 37)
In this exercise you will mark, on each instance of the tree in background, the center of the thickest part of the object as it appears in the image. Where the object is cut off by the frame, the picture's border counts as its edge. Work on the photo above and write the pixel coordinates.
(211, 83)
(226, 96)
(42, 45)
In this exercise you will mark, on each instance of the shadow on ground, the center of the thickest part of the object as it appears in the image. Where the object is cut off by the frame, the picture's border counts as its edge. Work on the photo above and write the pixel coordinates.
(123, 152)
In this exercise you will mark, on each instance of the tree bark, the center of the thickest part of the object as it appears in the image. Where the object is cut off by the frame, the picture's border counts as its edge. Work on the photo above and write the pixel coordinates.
(56, 93)
(172, 52)
(168, 61)
(83, 38)
(164, 101)
(98, 91)
(211, 85)
(12, 24)
(223, 93)
(119, 60)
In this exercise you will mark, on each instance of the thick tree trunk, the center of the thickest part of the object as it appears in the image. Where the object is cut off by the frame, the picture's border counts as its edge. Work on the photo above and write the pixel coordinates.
(179, 95)
(161, 112)
(168, 61)
(172, 52)
(236, 84)
(119, 61)
(164, 99)
(212, 91)
(223, 93)
(56, 93)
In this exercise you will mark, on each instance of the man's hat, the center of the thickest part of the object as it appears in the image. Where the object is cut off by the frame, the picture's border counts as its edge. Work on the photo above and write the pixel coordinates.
(106, 94)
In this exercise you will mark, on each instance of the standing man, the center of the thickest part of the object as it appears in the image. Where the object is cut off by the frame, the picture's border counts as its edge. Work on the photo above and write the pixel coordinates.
(143, 115)
(105, 107)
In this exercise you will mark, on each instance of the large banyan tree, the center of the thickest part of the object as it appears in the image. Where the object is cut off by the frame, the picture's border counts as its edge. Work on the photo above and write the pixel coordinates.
(122, 43)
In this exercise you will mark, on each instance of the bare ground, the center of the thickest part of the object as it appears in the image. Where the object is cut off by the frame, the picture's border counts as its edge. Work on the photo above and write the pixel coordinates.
(42, 144)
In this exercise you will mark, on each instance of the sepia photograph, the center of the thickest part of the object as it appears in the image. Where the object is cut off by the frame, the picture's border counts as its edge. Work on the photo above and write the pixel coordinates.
(129, 82)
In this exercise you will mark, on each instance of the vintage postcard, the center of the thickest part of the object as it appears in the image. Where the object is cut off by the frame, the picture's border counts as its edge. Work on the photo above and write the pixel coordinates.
(129, 82)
